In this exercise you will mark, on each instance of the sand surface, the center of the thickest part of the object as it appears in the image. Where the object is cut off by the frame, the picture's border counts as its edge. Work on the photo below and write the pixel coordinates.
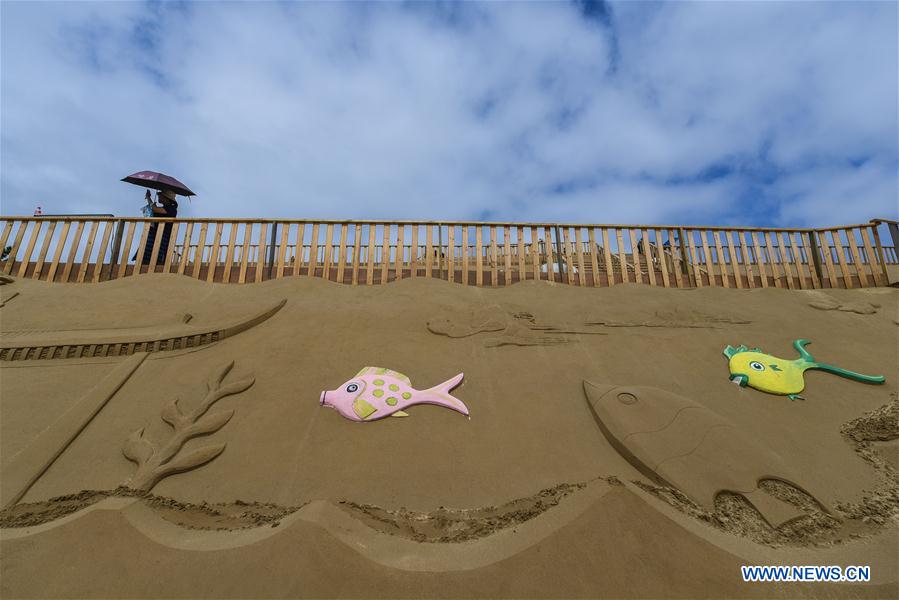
(247, 487)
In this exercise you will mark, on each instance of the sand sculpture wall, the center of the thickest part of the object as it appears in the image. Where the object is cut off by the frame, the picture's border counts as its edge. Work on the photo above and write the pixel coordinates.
(165, 419)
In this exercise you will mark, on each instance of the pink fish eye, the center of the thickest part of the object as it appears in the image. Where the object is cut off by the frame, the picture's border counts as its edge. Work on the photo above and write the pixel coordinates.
(352, 388)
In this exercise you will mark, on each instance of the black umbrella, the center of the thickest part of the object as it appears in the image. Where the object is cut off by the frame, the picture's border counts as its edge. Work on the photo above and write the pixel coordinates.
(158, 181)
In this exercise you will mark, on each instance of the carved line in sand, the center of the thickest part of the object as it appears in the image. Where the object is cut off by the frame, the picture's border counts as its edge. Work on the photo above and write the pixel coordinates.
(392, 551)
(33, 517)
(34, 345)
(674, 319)
(448, 525)
(519, 329)
(5, 281)
(522, 329)
(822, 301)
(681, 444)
(155, 463)
(25, 468)
(6, 300)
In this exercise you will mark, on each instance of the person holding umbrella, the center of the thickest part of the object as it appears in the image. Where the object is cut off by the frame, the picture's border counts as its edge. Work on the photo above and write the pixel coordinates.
(168, 190)
(167, 208)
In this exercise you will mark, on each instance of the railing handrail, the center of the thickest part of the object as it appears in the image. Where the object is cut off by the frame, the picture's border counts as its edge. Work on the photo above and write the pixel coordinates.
(242, 220)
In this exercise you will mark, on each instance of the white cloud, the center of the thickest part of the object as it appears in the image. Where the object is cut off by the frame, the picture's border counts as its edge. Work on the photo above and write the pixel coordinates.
(467, 111)
(828, 195)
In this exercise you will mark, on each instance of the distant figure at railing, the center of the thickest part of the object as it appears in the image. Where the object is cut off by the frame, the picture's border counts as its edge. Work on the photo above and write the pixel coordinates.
(167, 208)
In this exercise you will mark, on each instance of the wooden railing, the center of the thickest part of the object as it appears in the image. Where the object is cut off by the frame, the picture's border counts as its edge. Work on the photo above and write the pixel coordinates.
(80, 249)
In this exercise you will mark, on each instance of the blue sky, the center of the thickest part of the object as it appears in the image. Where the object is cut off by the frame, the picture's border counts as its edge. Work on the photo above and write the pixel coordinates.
(753, 113)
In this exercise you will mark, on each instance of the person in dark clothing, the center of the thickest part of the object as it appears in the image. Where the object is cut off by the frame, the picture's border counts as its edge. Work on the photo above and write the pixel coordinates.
(167, 208)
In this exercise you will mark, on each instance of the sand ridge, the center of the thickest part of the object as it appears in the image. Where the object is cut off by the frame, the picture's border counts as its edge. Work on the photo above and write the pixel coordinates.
(447, 525)
(310, 562)
(222, 516)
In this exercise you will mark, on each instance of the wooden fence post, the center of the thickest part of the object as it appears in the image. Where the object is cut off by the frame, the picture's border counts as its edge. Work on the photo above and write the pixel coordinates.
(116, 247)
(558, 243)
(26, 259)
(880, 253)
(894, 232)
(451, 253)
(465, 255)
(685, 257)
(45, 247)
(869, 253)
(816, 256)
(357, 249)
(14, 248)
(440, 251)
(271, 252)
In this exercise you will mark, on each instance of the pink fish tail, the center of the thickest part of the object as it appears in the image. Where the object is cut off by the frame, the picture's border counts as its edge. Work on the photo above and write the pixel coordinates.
(442, 390)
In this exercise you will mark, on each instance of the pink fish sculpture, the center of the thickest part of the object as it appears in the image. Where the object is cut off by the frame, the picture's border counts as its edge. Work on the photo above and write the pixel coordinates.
(375, 393)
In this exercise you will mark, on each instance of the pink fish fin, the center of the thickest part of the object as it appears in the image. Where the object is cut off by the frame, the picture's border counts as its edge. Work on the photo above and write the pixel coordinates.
(441, 391)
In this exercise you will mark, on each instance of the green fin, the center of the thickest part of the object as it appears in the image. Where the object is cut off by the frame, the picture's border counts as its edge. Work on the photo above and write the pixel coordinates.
(398, 375)
(875, 379)
(383, 371)
(730, 351)
(362, 408)
(795, 397)
(800, 348)
(400, 413)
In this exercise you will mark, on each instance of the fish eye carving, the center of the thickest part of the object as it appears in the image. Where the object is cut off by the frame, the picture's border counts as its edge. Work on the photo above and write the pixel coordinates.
(757, 366)
(627, 398)
(352, 388)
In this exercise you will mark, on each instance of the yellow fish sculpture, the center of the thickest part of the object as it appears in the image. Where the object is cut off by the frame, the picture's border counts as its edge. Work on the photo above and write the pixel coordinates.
(778, 376)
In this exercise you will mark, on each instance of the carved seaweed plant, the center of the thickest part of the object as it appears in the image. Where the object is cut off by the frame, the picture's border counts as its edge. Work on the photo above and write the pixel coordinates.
(154, 464)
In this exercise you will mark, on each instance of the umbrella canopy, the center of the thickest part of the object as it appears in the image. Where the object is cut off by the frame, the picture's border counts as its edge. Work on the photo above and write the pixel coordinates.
(158, 181)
